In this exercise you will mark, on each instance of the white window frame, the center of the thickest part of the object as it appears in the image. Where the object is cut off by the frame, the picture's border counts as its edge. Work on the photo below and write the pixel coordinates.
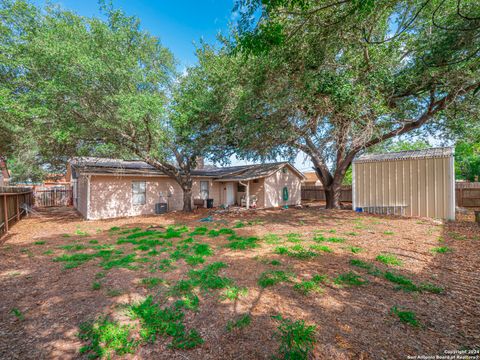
(204, 193)
(139, 192)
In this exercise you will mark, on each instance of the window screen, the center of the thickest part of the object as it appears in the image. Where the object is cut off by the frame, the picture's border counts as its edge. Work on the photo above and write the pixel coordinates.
(139, 190)
(204, 189)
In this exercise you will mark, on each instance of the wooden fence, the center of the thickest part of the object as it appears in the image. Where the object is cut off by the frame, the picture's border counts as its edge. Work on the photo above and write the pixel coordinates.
(316, 193)
(13, 204)
(53, 197)
(468, 194)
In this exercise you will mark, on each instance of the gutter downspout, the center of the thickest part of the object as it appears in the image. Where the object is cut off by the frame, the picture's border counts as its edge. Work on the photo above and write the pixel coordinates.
(247, 197)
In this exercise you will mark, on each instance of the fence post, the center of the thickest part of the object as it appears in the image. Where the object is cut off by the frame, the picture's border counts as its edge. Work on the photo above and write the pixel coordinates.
(5, 212)
(18, 208)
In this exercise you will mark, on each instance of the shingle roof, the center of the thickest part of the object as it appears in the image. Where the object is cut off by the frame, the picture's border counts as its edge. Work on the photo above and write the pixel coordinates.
(118, 166)
(438, 152)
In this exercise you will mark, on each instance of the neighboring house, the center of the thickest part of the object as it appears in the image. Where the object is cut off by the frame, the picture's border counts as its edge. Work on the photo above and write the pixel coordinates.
(412, 183)
(311, 179)
(109, 188)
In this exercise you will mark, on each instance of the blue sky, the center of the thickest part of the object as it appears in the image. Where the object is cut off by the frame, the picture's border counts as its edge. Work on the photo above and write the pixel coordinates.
(179, 24)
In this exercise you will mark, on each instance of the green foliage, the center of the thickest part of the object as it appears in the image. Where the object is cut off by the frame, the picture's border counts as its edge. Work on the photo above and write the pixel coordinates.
(208, 278)
(281, 250)
(307, 286)
(407, 317)
(389, 259)
(152, 282)
(96, 286)
(237, 242)
(297, 339)
(201, 230)
(294, 237)
(321, 238)
(441, 250)
(232, 292)
(240, 323)
(273, 277)
(323, 248)
(40, 242)
(18, 314)
(351, 279)
(105, 338)
(194, 260)
(355, 249)
(271, 238)
(467, 160)
(202, 249)
(156, 321)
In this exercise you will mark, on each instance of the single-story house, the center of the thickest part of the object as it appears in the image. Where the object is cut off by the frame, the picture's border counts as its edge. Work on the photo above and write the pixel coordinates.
(109, 188)
(411, 183)
(311, 179)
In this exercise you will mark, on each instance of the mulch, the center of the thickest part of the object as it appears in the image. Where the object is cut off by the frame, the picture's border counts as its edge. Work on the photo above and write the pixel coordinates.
(352, 322)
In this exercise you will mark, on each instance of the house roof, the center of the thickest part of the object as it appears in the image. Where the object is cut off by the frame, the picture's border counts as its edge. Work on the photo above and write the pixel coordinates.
(310, 176)
(124, 167)
(438, 152)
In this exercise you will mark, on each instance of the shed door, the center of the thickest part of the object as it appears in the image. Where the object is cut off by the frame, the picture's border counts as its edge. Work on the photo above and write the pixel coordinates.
(230, 194)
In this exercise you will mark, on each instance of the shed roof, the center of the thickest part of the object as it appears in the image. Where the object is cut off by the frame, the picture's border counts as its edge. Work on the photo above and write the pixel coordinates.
(138, 167)
(438, 152)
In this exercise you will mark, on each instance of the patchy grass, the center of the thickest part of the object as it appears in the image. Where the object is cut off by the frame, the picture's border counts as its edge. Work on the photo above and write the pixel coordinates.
(167, 322)
(96, 286)
(324, 248)
(405, 316)
(200, 230)
(388, 232)
(242, 322)
(232, 292)
(271, 239)
(42, 242)
(389, 259)
(320, 238)
(281, 250)
(294, 237)
(307, 286)
(223, 231)
(297, 339)
(151, 282)
(236, 242)
(18, 314)
(299, 252)
(275, 262)
(48, 252)
(273, 277)
(350, 279)
(441, 250)
(354, 249)
(105, 338)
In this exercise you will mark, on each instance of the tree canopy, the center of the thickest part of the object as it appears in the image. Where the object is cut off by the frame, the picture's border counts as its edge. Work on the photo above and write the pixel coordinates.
(335, 78)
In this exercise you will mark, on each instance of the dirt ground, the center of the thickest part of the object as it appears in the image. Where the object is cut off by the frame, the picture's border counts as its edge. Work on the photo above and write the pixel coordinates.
(352, 322)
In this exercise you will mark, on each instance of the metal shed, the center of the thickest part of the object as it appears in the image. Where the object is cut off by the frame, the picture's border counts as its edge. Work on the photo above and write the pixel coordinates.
(411, 183)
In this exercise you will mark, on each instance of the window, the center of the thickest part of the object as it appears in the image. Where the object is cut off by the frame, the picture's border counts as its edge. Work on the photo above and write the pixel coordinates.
(139, 192)
(241, 188)
(204, 189)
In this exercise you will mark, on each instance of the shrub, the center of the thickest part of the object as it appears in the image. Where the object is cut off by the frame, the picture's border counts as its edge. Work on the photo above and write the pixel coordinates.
(296, 338)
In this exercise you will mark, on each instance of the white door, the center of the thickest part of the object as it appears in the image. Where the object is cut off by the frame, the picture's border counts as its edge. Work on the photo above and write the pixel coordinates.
(230, 194)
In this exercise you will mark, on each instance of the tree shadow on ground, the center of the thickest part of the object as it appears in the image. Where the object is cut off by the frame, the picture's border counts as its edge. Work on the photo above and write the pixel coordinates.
(352, 321)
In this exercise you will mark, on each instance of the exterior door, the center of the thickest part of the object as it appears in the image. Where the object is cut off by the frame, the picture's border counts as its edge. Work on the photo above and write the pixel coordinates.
(230, 194)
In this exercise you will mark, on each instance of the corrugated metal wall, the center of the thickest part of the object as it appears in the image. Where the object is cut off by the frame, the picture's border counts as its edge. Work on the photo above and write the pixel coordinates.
(415, 187)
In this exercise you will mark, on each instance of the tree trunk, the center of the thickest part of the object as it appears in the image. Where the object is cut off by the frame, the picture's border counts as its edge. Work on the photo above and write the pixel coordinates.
(187, 199)
(332, 196)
